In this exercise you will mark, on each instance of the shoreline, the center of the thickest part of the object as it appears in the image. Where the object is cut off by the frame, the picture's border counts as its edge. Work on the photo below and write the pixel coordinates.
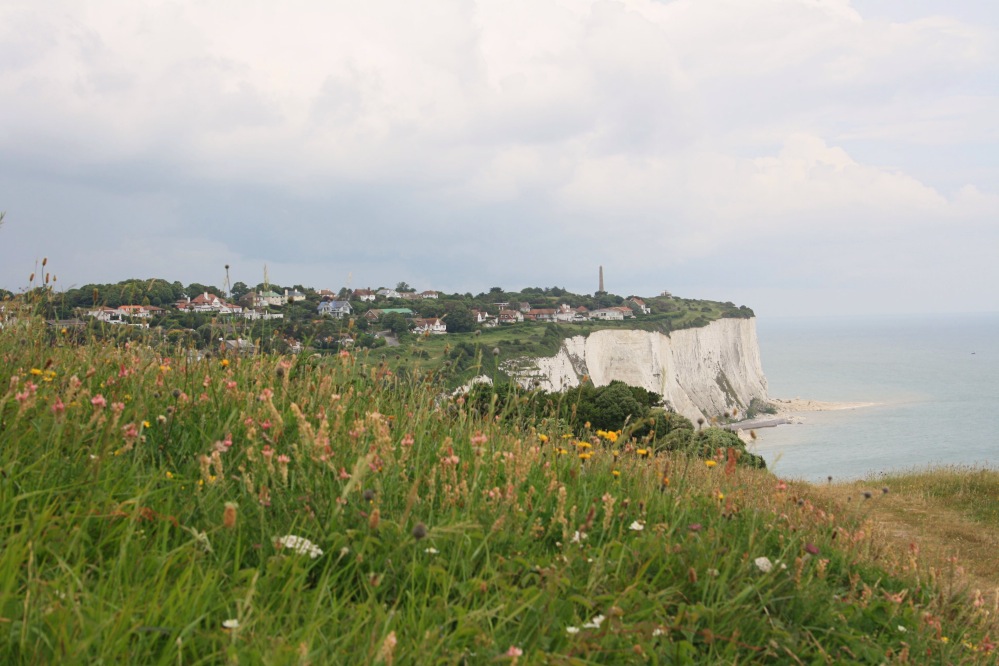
(789, 413)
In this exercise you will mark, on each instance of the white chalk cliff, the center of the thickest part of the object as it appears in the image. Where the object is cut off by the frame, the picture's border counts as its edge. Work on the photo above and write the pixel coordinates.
(700, 372)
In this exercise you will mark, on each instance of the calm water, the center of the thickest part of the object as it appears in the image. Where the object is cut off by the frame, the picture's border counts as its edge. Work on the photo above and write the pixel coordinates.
(936, 379)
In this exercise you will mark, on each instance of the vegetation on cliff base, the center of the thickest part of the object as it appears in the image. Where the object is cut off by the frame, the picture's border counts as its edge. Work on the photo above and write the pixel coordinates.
(158, 506)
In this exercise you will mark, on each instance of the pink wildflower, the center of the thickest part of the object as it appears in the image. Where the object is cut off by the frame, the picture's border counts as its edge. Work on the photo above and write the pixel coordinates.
(98, 401)
(58, 407)
(514, 651)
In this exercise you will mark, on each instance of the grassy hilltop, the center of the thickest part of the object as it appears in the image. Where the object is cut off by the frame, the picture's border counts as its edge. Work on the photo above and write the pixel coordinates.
(157, 506)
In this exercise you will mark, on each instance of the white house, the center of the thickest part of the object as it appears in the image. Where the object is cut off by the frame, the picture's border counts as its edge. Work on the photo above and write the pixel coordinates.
(433, 325)
(364, 295)
(510, 316)
(389, 293)
(335, 309)
(612, 314)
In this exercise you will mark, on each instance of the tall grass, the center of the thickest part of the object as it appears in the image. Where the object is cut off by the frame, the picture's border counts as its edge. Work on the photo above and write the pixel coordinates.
(146, 494)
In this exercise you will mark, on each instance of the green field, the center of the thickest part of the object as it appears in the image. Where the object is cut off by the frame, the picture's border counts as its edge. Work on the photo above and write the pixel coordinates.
(147, 497)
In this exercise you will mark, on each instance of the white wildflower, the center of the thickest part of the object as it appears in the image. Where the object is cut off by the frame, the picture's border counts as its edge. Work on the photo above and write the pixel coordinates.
(431, 551)
(764, 564)
(658, 631)
(572, 630)
(300, 545)
(636, 526)
(579, 536)
(902, 629)
(232, 623)
(595, 622)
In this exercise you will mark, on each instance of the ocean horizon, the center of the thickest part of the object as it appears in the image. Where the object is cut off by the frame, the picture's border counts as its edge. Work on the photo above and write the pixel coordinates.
(934, 380)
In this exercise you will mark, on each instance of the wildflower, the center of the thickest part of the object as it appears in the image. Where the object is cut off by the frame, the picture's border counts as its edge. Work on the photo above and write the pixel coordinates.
(224, 363)
(36, 371)
(764, 564)
(232, 623)
(694, 527)
(642, 452)
(710, 463)
(572, 631)
(583, 445)
(431, 551)
(719, 495)
(543, 438)
(479, 438)
(387, 651)
(99, 401)
(229, 515)
(578, 537)
(585, 456)
(902, 629)
(146, 424)
(595, 622)
(781, 486)
(419, 531)
(514, 651)
(636, 526)
(58, 407)
(300, 545)
(616, 472)
(811, 549)
(944, 640)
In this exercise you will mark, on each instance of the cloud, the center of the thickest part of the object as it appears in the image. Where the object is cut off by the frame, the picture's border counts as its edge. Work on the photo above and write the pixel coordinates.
(415, 139)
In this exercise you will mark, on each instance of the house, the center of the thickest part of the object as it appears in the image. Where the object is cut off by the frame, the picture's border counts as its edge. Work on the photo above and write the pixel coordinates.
(610, 314)
(294, 296)
(335, 309)
(254, 315)
(641, 304)
(625, 311)
(429, 294)
(207, 302)
(510, 316)
(274, 298)
(542, 314)
(327, 295)
(364, 295)
(388, 293)
(432, 325)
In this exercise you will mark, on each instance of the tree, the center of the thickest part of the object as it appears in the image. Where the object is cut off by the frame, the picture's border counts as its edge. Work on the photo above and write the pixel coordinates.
(404, 287)
(459, 318)
(239, 290)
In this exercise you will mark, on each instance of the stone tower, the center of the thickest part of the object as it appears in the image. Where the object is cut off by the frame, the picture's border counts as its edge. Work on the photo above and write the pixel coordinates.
(601, 287)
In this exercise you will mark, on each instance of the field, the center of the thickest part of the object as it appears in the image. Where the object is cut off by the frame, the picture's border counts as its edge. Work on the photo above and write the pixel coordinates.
(163, 506)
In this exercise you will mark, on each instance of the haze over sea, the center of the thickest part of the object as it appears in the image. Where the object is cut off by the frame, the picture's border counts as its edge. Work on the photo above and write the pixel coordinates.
(935, 379)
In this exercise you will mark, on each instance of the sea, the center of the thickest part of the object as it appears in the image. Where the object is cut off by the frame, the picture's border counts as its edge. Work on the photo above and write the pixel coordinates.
(934, 379)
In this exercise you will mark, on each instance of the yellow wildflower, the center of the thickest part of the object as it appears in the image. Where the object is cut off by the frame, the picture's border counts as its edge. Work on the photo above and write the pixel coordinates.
(36, 371)
(543, 438)
(642, 452)
(224, 363)
(710, 463)
(616, 472)
(169, 474)
(584, 445)
(146, 424)
(585, 456)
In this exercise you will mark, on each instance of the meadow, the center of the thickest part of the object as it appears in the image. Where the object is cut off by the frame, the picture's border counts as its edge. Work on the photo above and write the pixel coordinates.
(160, 505)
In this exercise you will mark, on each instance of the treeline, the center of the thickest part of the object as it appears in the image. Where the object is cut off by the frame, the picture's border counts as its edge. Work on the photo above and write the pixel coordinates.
(631, 413)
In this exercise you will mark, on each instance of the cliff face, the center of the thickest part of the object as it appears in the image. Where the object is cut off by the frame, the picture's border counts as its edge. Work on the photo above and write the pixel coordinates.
(700, 372)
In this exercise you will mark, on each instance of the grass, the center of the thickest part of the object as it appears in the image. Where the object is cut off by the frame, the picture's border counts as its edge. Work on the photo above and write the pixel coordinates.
(145, 494)
(950, 514)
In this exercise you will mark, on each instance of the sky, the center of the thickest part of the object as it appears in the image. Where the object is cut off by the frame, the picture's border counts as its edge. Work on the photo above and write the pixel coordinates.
(801, 157)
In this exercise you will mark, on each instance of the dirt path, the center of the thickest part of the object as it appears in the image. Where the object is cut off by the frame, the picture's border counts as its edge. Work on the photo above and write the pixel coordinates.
(940, 532)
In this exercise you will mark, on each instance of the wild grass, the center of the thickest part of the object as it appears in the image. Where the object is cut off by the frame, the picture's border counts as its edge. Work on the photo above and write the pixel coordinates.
(147, 493)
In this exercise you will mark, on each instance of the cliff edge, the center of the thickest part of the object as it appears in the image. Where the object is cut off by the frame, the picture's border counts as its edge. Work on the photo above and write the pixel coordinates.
(700, 372)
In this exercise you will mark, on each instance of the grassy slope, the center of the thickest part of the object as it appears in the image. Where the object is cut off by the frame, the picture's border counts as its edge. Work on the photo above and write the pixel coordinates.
(117, 544)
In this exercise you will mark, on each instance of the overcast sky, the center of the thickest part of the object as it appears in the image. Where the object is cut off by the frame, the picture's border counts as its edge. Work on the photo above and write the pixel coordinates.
(796, 156)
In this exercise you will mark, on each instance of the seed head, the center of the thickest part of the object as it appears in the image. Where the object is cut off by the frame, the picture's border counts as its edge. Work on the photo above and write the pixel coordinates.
(419, 531)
